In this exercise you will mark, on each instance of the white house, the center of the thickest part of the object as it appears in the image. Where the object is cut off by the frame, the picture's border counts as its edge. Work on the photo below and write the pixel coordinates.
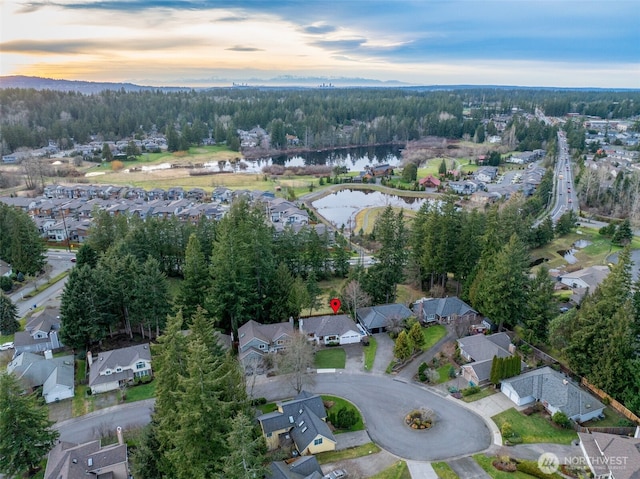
(589, 277)
(332, 329)
(554, 391)
(111, 369)
(55, 375)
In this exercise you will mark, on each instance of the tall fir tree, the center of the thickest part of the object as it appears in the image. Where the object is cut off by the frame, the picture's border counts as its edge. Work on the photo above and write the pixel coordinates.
(197, 279)
(8, 315)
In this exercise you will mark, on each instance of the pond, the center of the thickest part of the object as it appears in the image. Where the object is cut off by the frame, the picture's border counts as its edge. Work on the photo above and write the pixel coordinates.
(355, 159)
(341, 206)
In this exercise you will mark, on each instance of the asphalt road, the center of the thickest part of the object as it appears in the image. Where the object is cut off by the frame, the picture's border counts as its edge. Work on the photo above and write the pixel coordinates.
(384, 403)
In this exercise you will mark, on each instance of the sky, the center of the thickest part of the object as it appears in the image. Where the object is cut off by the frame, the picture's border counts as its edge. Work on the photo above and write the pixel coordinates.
(556, 43)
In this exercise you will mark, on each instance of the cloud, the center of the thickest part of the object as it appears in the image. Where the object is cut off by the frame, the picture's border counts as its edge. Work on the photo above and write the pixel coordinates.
(231, 19)
(241, 48)
(340, 45)
(319, 29)
(85, 46)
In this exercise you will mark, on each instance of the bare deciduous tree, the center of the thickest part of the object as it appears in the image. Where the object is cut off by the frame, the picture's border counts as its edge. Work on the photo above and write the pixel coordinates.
(355, 297)
(296, 362)
(461, 325)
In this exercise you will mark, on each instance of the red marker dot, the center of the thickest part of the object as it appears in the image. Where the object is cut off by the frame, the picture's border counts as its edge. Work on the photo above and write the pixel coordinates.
(335, 305)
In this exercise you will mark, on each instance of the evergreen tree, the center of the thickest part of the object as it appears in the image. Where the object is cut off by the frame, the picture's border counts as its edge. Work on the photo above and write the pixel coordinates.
(500, 290)
(410, 173)
(623, 234)
(8, 316)
(151, 303)
(146, 460)
(341, 256)
(280, 290)
(246, 459)
(313, 292)
(442, 169)
(197, 280)
(416, 337)
(87, 255)
(25, 429)
(106, 152)
(540, 306)
(20, 241)
(84, 309)
(403, 348)
(494, 376)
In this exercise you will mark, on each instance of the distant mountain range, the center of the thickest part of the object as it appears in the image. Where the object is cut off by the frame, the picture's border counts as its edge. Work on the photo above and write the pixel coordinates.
(284, 81)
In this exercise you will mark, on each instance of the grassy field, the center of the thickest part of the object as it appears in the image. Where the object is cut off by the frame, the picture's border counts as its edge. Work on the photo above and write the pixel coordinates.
(432, 335)
(611, 419)
(370, 353)
(351, 453)
(399, 470)
(444, 471)
(443, 372)
(330, 358)
(366, 218)
(339, 403)
(534, 428)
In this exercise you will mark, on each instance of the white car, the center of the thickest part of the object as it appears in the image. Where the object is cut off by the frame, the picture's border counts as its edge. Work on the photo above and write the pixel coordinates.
(337, 474)
(6, 346)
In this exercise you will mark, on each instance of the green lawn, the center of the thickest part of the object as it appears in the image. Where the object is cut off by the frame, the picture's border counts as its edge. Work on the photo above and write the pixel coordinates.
(534, 428)
(611, 419)
(351, 453)
(399, 470)
(340, 403)
(330, 358)
(370, 353)
(269, 407)
(482, 394)
(432, 335)
(487, 464)
(443, 372)
(444, 471)
(141, 392)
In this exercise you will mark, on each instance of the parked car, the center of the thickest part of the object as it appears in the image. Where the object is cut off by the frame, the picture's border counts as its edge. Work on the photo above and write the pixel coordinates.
(337, 474)
(6, 346)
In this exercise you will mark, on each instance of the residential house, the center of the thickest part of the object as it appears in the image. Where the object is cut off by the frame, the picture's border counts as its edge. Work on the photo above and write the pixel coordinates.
(5, 269)
(375, 319)
(256, 340)
(383, 169)
(299, 423)
(302, 467)
(486, 174)
(69, 460)
(112, 369)
(331, 329)
(590, 277)
(480, 350)
(555, 392)
(484, 198)
(429, 181)
(610, 456)
(463, 187)
(40, 334)
(54, 375)
(443, 310)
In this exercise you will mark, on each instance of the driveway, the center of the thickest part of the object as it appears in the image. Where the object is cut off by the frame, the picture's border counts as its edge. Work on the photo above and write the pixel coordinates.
(468, 468)
(411, 369)
(384, 402)
(384, 353)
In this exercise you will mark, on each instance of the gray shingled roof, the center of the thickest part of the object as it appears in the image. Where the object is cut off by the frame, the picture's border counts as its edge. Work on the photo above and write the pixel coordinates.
(442, 307)
(266, 332)
(122, 357)
(337, 324)
(546, 384)
(377, 316)
(609, 449)
(307, 427)
(73, 461)
(35, 370)
(481, 347)
(304, 467)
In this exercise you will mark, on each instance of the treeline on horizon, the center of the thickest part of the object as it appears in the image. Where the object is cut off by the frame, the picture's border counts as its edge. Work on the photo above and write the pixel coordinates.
(319, 118)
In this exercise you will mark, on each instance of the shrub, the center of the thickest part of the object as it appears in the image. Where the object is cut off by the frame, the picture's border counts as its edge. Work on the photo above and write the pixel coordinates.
(20, 277)
(421, 372)
(259, 402)
(531, 468)
(117, 165)
(506, 430)
(561, 420)
(344, 418)
(6, 283)
(452, 372)
(470, 390)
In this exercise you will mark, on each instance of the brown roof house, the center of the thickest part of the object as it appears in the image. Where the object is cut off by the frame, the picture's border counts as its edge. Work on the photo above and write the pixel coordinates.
(610, 456)
(79, 461)
(111, 369)
(299, 423)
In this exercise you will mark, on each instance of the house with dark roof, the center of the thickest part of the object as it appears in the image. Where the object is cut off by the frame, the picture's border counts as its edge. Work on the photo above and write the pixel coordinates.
(301, 423)
(480, 350)
(54, 375)
(590, 277)
(302, 467)
(256, 340)
(610, 456)
(443, 310)
(69, 460)
(375, 319)
(554, 391)
(40, 334)
(331, 329)
(111, 369)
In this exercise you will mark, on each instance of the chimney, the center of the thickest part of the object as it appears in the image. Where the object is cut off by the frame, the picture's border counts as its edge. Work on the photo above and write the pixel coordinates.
(120, 438)
(89, 358)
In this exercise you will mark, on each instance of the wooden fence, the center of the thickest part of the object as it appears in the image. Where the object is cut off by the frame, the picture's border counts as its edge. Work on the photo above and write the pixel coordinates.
(618, 406)
(619, 431)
